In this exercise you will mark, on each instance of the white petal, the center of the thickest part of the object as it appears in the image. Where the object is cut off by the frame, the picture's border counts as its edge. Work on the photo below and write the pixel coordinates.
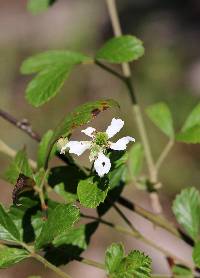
(115, 126)
(120, 145)
(76, 147)
(89, 131)
(102, 165)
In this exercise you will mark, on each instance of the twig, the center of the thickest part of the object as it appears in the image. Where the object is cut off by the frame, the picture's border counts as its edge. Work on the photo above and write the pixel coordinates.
(154, 218)
(4, 148)
(136, 234)
(91, 263)
(24, 125)
(46, 263)
(164, 153)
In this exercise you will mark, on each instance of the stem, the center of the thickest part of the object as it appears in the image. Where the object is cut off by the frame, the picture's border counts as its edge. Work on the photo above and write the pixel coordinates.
(91, 263)
(112, 9)
(57, 270)
(164, 154)
(39, 258)
(136, 234)
(154, 218)
(4, 148)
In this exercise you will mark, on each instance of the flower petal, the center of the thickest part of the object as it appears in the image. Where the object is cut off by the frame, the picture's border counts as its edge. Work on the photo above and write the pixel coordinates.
(120, 145)
(102, 164)
(76, 147)
(115, 126)
(89, 131)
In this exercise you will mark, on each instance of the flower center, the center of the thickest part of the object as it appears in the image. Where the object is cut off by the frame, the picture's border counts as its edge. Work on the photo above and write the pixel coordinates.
(101, 139)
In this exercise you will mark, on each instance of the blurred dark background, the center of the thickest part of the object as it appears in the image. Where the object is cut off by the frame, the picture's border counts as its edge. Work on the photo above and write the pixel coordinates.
(169, 71)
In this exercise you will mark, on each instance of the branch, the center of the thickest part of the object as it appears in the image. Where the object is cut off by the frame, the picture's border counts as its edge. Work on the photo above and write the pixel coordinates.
(23, 124)
(164, 153)
(112, 9)
(136, 234)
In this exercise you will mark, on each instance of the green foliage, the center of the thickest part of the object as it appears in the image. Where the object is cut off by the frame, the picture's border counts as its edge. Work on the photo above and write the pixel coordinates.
(38, 6)
(196, 254)
(19, 165)
(190, 132)
(64, 181)
(8, 230)
(182, 271)
(60, 220)
(193, 119)
(43, 147)
(121, 49)
(52, 68)
(186, 208)
(27, 218)
(136, 156)
(71, 244)
(10, 256)
(113, 257)
(92, 191)
(80, 116)
(160, 115)
(135, 264)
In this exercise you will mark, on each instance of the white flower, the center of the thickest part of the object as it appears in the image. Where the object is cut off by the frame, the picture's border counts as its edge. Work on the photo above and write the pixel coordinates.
(99, 144)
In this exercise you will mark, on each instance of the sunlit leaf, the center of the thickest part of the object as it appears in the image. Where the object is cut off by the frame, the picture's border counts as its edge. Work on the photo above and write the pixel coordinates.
(10, 256)
(60, 220)
(160, 115)
(186, 208)
(121, 49)
(92, 191)
(43, 148)
(136, 155)
(19, 165)
(8, 230)
(113, 257)
(38, 6)
(135, 264)
(48, 59)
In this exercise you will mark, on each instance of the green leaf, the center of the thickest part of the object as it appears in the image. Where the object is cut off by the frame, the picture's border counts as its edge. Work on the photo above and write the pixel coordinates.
(160, 115)
(78, 236)
(135, 264)
(64, 181)
(60, 220)
(92, 191)
(190, 132)
(193, 119)
(80, 116)
(19, 165)
(49, 59)
(186, 208)
(113, 257)
(121, 49)
(136, 156)
(8, 230)
(190, 136)
(28, 217)
(71, 244)
(38, 6)
(10, 256)
(43, 148)
(47, 84)
(182, 271)
(196, 254)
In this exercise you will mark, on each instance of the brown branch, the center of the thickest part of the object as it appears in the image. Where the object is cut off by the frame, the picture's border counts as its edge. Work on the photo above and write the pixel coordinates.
(23, 125)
